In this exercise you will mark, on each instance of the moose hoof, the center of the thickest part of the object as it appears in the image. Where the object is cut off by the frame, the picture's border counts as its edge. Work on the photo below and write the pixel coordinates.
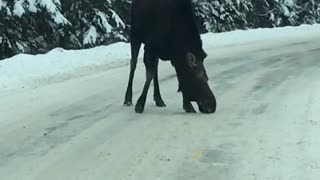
(189, 108)
(160, 103)
(139, 108)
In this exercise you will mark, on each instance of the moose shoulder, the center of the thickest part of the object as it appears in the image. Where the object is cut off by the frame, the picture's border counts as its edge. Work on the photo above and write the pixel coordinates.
(168, 30)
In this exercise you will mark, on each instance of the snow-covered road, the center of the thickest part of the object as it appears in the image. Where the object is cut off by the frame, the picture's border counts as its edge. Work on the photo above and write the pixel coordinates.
(267, 124)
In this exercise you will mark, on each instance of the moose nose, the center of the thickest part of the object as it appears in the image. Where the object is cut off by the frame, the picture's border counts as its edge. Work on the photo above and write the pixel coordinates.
(207, 109)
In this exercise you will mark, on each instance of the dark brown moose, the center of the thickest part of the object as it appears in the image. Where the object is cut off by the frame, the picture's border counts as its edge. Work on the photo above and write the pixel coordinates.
(169, 32)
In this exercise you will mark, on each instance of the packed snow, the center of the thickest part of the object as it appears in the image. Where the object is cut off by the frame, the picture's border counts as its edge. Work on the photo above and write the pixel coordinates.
(118, 20)
(90, 36)
(53, 10)
(18, 8)
(286, 11)
(2, 4)
(29, 70)
(32, 5)
(105, 25)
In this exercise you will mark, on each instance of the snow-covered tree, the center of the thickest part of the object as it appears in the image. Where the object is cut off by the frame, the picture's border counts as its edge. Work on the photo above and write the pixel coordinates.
(37, 26)
(308, 11)
(95, 22)
(30, 25)
(275, 13)
(318, 11)
(222, 15)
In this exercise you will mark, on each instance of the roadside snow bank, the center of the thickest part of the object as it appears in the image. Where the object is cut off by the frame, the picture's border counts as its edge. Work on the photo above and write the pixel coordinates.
(29, 70)
(212, 40)
(25, 70)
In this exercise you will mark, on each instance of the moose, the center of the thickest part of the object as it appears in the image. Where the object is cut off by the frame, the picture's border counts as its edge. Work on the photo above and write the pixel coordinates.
(168, 30)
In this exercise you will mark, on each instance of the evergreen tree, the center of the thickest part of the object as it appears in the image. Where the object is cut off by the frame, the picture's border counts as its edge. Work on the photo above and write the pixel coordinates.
(221, 15)
(37, 26)
(308, 11)
(317, 11)
(29, 25)
(95, 22)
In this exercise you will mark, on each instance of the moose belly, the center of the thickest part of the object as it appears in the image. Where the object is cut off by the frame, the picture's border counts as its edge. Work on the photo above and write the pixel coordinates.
(164, 51)
(161, 45)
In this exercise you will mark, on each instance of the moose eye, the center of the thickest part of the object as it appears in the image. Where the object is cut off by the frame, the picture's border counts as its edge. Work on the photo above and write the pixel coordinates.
(192, 61)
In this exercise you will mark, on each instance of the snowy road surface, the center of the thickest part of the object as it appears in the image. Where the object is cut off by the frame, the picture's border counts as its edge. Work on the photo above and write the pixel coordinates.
(267, 124)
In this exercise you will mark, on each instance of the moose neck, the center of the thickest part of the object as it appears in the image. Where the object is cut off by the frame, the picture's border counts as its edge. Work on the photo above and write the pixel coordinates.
(186, 32)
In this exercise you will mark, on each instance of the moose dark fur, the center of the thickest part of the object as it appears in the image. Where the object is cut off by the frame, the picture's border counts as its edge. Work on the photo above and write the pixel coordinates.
(169, 32)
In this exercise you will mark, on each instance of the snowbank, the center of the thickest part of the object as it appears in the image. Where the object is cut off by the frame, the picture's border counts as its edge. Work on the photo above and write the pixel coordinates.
(212, 40)
(25, 70)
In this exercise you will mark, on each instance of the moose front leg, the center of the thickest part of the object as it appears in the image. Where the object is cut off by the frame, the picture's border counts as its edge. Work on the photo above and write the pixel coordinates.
(156, 95)
(187, 106)
(150, 62)
(135, 47)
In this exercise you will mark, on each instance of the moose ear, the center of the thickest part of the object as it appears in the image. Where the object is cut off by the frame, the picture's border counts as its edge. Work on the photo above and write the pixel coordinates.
(191, 59)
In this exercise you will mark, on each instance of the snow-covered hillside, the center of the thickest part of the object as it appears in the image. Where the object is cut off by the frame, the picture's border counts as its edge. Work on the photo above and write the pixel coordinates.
(59, 64)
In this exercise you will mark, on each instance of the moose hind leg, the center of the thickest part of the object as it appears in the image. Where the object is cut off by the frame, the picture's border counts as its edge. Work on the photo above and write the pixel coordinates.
(150, 62)
(135, 47)
(157, 95)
